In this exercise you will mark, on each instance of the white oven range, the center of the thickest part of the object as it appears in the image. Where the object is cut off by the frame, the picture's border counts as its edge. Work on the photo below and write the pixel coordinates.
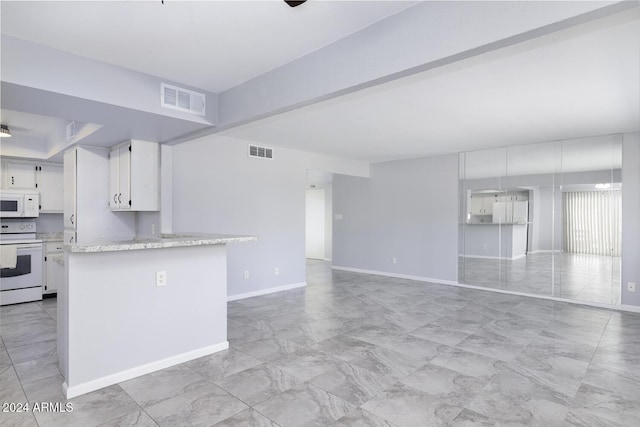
(21, 276)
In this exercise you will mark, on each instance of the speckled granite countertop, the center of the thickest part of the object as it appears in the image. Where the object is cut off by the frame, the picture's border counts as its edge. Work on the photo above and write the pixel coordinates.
(50, 237)
(164, 241)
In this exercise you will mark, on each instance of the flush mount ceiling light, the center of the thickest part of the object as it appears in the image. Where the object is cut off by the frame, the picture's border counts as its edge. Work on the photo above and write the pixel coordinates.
(603, 186)
(4, 131)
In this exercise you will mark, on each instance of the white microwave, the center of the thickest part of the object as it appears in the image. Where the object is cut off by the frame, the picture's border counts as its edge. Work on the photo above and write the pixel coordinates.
(24, 203)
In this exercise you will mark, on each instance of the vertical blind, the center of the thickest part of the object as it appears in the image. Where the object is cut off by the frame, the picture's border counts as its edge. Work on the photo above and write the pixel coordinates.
(592, 222)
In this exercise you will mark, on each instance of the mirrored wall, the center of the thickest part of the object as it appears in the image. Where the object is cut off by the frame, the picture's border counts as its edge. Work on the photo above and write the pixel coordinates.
(543, 218)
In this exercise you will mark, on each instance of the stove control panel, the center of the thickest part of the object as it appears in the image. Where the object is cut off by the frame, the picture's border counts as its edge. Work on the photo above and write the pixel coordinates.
(18, 226)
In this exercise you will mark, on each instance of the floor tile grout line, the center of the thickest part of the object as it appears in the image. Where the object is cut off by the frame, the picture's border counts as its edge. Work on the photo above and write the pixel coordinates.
(595, 350)
(137, 403)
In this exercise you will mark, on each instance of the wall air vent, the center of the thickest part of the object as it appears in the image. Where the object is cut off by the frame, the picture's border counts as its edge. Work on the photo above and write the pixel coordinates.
(181, 99)
(261, 152)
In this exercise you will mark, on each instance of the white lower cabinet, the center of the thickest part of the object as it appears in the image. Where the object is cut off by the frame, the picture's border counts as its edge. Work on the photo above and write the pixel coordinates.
(53, 267)
(70, 236)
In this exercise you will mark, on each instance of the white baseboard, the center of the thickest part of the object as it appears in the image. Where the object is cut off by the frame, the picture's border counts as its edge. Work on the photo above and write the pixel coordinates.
(395, 275)
(93, 385)
(623, 307)
(631, 308)
(266, 291)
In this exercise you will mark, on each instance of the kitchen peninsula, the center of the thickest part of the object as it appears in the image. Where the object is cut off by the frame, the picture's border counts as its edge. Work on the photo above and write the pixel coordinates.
(128, 308)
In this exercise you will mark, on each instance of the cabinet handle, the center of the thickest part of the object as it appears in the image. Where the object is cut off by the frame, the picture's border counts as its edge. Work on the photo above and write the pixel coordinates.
(120, 198)
(71, 239)
(71, 218)
(115, 198)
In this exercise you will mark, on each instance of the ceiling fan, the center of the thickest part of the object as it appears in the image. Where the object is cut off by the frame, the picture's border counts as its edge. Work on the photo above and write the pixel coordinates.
(294, 3)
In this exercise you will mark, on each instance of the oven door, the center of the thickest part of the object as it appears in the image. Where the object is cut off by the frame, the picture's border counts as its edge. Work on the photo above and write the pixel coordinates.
(11, 206)
(28, 270)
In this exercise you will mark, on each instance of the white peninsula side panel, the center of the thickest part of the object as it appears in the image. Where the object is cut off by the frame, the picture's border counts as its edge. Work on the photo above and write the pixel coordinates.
(116, 324)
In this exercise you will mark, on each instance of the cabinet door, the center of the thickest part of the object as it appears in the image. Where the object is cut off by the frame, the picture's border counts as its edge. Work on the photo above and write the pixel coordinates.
(70, 207)
(51, 187)
(20, 175)
(124, 175)
(476, 205)
(145, 175)
(113, 178)
(70, 236)
(487, 205)
(55, 273)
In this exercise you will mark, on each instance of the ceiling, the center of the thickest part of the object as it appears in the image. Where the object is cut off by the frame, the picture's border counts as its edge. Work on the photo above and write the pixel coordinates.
(233, 41)
(574, 83)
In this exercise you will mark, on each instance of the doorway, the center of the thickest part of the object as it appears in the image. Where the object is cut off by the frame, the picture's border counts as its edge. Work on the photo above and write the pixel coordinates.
(318, 215)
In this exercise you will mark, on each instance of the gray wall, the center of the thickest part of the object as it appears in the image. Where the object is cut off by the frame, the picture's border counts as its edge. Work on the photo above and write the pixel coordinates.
(351, 221)
(408, 210)
(217, 188)
(631, 217)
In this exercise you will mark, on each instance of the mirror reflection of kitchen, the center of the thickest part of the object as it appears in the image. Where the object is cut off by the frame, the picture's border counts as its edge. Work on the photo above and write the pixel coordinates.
(544, 218)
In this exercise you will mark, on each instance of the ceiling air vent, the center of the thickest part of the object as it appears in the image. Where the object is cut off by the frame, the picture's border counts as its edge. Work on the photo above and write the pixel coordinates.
(261, 152)
(181, 99)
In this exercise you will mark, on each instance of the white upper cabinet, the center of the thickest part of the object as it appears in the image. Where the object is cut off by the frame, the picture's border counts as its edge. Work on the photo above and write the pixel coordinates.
(134, 169)
(50, 183)
(19, 174)
(47, 178)
(481, 204)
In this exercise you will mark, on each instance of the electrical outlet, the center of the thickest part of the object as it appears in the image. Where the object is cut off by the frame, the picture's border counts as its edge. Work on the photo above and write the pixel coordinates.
(246, 275)
(161, 278)
(153, 229)
(394, 260)
(484, 247)
(277, 271)
(631, 286)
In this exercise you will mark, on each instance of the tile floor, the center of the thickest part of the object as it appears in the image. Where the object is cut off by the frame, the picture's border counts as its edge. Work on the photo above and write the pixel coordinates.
(581, 277)
(359, 350)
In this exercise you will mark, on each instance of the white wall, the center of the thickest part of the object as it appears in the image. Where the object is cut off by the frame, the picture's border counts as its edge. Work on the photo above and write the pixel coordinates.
(115, 323)
(218, 188)
(408, 210)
